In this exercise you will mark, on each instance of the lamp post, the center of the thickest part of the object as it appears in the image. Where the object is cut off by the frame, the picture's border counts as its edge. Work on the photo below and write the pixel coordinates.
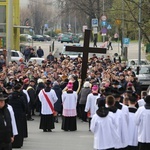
(9, 30)
(103, 15)
(139, 49)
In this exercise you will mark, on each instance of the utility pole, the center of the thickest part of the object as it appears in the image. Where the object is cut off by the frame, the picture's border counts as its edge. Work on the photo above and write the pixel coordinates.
(103, 15)
(9, 30)
(139, 49)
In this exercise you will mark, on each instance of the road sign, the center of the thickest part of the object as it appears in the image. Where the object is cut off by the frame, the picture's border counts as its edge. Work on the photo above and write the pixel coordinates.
(94, 22)
(103, 23)
(94, 30)
(104, 30)
(84, 28)
(103, 18)
(45, 25)
(126, 40)
(118, 22)
(109, 27)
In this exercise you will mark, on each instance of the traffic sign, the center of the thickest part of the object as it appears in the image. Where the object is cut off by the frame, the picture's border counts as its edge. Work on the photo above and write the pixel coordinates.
(126, 40)
(84, 28)
(109, 27)
(94, 22)
(94, 30)
(103, 23)
(118, 22)
(45, 25)
(103, 18)
(104, 30)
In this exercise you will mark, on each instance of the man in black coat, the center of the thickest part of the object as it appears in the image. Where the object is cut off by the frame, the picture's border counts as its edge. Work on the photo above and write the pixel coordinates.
(32, 95)
(18, 103)
(40, 52)
(6, 134)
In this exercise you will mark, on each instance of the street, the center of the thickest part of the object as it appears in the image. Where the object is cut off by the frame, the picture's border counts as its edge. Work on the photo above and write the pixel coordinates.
(132, 49)
(82, 139)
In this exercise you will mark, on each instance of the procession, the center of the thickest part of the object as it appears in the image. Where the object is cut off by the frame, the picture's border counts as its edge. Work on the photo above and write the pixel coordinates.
(111, 100)
(74, 75)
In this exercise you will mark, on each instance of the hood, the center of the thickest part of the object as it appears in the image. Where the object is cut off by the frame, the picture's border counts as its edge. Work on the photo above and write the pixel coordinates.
(113, 109)
(102, 112)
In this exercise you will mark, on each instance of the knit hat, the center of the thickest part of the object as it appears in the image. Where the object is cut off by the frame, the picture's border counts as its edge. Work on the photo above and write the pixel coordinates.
(70, 85)
(95, 88)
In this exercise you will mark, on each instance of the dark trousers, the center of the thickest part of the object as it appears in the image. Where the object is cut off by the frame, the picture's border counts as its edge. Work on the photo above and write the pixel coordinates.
(144, 146)
(132, 148)
(4, 146)
(82, 113)
(29, 110)
(90, 123)
(110, 46)
(110, 149)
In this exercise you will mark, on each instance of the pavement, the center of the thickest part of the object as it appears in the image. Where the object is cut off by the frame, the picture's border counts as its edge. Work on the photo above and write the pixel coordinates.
(82, 139)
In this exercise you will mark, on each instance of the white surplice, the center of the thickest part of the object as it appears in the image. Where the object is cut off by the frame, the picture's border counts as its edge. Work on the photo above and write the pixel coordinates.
(25, 92)
(142, 119)
(141, 102)
(45, 108)
(105, 131)
(133, 130)
(13, 121)
(69, 101)
(91, 104)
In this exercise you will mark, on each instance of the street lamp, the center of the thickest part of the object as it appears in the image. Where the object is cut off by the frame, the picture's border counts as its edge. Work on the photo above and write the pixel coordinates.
(139, 49)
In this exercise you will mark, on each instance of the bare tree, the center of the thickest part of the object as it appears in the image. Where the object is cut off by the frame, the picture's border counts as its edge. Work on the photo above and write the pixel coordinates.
(40, 15)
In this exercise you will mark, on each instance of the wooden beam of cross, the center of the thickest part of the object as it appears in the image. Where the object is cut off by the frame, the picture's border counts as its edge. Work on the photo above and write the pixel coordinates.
(85, 50)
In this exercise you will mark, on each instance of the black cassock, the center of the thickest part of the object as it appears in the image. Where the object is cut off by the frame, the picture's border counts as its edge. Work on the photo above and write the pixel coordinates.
(17, 101)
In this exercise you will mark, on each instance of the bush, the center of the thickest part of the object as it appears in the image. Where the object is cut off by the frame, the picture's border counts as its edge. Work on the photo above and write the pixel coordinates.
(148, 57)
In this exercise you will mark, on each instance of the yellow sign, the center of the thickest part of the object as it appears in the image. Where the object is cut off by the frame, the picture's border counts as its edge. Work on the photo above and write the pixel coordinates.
(117, 21)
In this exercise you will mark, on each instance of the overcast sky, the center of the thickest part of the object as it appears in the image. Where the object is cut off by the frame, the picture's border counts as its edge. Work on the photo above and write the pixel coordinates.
(23, 3)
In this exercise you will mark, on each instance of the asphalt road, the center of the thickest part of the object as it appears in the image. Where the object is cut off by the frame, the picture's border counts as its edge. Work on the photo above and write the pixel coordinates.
(132, 48)
(82, 139)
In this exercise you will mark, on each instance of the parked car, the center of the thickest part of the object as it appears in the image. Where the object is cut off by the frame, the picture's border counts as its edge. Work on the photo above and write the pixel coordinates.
(47, 37)
(27, 36)
(15, 55)
(143, 75)
(69, 38)
(76, 39)
(72, 55)
(38, 38)
(59, 37)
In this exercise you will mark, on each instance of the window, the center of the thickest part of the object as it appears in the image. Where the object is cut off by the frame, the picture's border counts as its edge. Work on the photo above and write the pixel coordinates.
(14, 54)
(2, 19)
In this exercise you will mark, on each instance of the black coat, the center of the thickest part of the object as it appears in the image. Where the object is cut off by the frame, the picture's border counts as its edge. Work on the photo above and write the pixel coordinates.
(58, 104)
(5, 130)
(17, 101)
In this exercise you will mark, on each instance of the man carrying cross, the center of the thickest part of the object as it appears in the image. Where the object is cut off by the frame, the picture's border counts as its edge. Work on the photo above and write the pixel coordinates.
(86, 50)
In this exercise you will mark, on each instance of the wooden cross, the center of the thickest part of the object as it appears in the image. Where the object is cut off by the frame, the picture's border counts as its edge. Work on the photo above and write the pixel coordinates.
(85, 50)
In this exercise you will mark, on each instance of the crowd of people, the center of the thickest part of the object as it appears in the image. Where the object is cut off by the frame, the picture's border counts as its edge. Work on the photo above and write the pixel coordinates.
(110, 100)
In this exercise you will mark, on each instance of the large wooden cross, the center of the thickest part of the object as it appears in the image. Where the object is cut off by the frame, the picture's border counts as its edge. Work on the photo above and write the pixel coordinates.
(85, 50)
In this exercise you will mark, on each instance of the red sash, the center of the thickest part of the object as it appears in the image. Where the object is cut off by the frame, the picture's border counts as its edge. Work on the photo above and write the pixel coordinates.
(49, 102)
